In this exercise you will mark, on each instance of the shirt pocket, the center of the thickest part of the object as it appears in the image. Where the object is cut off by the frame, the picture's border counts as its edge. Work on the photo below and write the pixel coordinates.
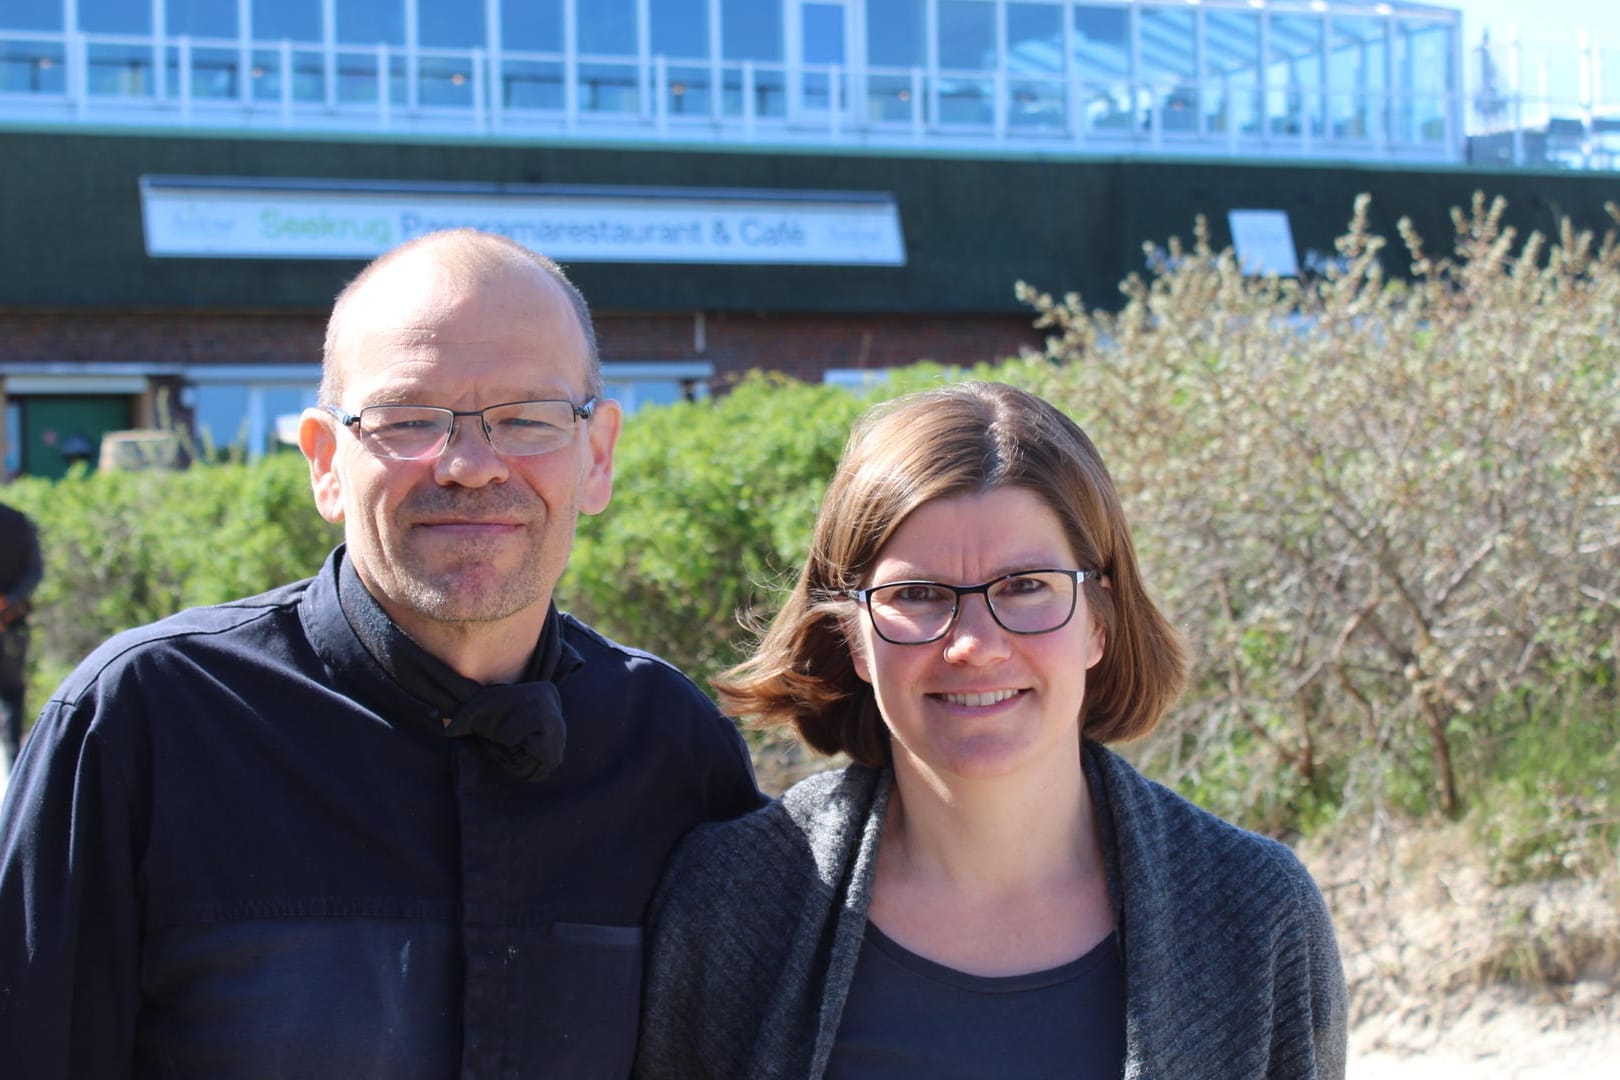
(585, 986)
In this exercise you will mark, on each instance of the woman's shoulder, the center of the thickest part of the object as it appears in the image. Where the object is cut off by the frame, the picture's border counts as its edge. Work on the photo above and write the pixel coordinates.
(1154, 820)
(784, 846)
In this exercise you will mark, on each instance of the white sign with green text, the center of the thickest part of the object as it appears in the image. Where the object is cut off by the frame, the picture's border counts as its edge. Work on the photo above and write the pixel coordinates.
(215, 217)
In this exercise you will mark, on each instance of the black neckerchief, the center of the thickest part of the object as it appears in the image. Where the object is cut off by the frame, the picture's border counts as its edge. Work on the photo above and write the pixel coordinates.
(517, 725)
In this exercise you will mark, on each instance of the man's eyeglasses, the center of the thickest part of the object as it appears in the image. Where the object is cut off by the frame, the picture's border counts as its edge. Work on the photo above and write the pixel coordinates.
(919, 612)
(418, 432)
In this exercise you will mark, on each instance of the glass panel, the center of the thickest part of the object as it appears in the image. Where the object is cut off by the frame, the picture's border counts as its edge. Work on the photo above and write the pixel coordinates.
(213, 73)
(688, 90)
(32, 68)
(1424, 77)
(32, 15)
(751, 30)
(1356, 77)
(680, 28)
(823, 33)
(1035, 66)
(1232, 71)
(1102, 55)
(889, 98)
(822, 46)
(119, 70)
(370, 22)
(307, 74)
(200, 18)
(532, 84)
(357, 78)
(769, 92)
(1170, 65)
(445, 80)
(967, 35)
(532, 25)
(608, 26)
(1294, 76)
(294, 20)
(609, 88)
(114, 17)
(450, 24)
(894, 33)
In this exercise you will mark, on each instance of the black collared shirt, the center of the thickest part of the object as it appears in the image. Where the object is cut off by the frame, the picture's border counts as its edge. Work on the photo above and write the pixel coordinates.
(239, 845)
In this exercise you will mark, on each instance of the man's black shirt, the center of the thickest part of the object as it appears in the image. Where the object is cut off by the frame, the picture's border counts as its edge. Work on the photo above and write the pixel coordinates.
(242, 842)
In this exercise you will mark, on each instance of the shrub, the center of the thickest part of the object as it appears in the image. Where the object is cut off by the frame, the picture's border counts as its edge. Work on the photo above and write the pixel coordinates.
(1378, 507)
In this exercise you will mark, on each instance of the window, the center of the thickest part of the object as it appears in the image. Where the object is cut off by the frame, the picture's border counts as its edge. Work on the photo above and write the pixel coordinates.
(244, 416)
(113, 17)
(531, 26)
(292, 20)
(1102, 47)
(200, 18)
(1035, 84)
(1294, 77)
(637, 385)
(450, 24)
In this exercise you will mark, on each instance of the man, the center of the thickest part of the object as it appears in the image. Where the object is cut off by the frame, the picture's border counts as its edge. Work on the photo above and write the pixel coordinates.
(20, 570)
(399, 820)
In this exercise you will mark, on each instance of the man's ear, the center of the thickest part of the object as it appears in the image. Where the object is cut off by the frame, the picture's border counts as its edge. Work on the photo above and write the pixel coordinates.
(319, 443)
(603, 435)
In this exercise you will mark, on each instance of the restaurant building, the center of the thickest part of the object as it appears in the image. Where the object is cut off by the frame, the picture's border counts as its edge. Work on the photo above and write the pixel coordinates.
(821, 187)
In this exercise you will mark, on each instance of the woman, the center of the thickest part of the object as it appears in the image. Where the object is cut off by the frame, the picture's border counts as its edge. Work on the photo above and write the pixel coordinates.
(986, 891)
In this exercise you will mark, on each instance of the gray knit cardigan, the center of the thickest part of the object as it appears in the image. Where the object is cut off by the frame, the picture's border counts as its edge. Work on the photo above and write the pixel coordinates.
(1231, 968)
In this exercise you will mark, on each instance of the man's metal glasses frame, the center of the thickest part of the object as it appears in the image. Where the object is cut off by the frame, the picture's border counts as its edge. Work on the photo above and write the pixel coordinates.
(421, 432)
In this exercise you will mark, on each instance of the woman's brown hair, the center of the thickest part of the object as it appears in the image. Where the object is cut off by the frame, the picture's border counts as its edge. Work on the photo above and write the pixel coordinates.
(960, 440)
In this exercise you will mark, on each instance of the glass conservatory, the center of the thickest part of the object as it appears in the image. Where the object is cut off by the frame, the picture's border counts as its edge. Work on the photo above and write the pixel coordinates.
(1295, 78)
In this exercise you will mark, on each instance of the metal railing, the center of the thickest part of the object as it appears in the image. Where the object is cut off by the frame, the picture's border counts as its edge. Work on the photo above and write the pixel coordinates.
(297, 87)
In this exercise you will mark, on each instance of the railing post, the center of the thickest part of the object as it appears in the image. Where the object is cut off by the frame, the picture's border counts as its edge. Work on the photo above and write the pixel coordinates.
(244, 58)
(660, 91)
(494, 101)
(748, 110)
(998, 120)
(1077, 103)
(917, 116)
(384, 102)
(1155, 121)
(1515, 59)
(835, 100)
(1229, 113)
(286, 62)
(480, 102)
(184, 60)
(78, 73)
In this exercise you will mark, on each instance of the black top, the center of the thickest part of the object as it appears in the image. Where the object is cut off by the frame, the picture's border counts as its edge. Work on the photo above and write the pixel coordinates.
(907, 1016)
(20, 563)
(242, 842)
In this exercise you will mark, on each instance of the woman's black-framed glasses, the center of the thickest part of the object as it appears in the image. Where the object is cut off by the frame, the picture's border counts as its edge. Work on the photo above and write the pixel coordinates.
(418, 432)
(920, 612)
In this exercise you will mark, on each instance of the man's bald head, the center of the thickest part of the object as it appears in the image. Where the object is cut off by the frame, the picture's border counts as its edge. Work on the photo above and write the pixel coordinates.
(464, 255)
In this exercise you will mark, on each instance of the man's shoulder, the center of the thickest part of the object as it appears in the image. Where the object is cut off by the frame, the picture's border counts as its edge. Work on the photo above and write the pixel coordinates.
(635, 670)
(215, 625)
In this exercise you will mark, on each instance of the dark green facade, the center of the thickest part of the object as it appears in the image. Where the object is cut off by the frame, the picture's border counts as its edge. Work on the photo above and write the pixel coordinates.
(71, 234)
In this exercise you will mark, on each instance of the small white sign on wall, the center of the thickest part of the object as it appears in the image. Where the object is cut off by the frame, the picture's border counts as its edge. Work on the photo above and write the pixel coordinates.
(1264, 242)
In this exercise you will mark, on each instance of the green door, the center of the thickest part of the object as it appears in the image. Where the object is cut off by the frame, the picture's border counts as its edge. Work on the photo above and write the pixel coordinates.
(56, 431)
